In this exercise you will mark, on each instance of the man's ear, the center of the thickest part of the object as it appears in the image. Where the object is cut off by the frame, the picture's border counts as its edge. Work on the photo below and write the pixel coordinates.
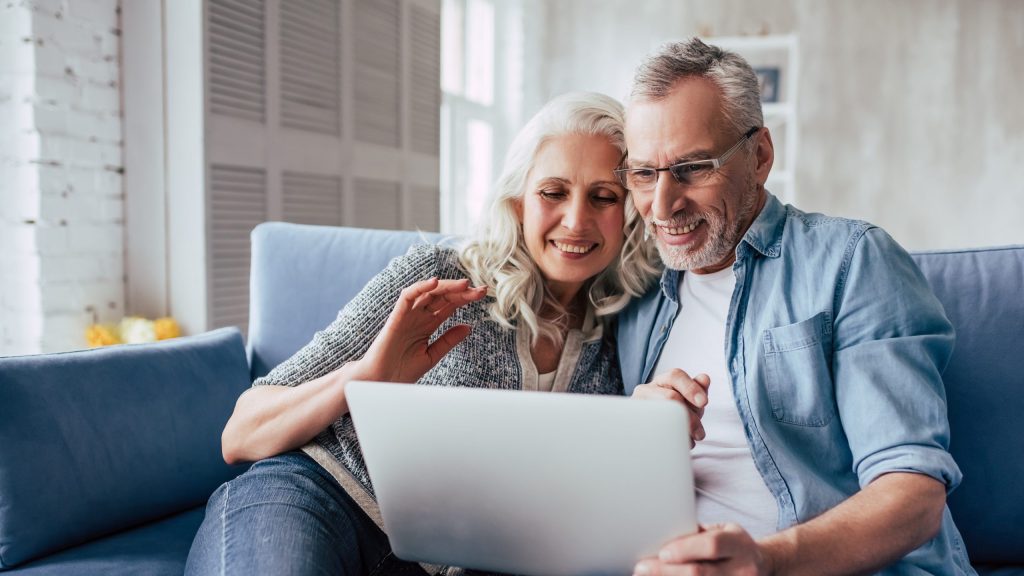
(764, 155)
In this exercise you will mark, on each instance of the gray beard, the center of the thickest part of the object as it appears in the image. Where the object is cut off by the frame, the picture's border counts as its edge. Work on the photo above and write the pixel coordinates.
(722, 237)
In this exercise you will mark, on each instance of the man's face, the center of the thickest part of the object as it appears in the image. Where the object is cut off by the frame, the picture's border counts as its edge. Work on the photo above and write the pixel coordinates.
(697, 227)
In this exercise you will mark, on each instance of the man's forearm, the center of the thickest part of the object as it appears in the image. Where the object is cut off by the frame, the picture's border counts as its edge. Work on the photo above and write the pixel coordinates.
(885, 521)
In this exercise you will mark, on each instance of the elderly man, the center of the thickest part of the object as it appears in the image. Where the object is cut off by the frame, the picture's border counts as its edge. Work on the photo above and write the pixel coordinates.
(807, 348)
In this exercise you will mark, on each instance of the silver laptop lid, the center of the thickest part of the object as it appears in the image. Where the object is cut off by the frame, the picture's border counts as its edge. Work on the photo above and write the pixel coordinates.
(525, 482)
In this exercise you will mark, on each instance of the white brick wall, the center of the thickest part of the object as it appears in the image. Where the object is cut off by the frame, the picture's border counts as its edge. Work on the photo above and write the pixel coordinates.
(61, 158)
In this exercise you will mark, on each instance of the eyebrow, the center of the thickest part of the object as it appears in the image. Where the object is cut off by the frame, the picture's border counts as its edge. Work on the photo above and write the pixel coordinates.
(560, 180)
(693, 156)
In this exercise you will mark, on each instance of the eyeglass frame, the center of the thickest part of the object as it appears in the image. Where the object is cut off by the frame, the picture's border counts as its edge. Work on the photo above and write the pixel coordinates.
(716, 163)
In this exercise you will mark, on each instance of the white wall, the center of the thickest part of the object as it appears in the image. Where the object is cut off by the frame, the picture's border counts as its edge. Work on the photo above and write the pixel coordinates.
(910, 112)
(61, 199)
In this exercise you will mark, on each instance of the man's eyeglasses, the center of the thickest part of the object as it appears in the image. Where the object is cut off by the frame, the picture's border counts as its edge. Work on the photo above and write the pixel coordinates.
(696, 173)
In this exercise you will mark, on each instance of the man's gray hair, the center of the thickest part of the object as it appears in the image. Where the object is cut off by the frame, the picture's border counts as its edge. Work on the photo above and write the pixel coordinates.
(741, 94)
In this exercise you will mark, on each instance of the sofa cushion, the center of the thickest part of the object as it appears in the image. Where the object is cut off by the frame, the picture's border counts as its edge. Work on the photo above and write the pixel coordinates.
(100, 440)
(981, 292)
(999, 571)
(303, 275)
(156, 549)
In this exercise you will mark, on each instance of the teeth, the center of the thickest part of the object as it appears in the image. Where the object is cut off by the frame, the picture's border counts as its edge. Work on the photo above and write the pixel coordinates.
(574, 248)
(684, 229)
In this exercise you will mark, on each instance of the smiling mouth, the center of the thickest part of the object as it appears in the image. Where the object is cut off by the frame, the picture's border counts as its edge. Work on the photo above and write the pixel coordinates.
(573, 248)
(677, 231)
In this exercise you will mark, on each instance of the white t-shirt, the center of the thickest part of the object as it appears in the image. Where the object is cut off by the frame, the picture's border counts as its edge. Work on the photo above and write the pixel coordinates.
(729, 487)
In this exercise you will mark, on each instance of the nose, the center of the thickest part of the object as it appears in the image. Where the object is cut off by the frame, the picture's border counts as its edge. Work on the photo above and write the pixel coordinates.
(577, 213)
(668, 195)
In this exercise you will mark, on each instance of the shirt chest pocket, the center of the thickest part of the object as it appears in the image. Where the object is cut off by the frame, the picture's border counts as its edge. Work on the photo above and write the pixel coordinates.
(798, 376)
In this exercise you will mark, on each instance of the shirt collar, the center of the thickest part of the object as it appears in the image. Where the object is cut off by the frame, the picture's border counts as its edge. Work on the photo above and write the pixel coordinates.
(765, 232)
(764, 236)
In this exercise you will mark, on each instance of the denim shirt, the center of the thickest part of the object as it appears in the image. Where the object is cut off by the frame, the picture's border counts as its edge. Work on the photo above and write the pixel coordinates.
(835, 347)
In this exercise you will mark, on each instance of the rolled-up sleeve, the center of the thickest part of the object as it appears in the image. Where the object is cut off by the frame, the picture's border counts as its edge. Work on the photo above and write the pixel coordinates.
(892, 341)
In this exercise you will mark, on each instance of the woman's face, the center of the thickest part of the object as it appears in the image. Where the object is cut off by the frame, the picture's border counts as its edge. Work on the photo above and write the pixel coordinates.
(573, 211)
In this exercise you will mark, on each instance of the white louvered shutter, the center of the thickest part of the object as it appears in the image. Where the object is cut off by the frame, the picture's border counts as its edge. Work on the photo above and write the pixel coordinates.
(237, 186)
(424, 212)
(237, 204)
(310, 74)
(425, 90)
(312, 199)
(236, 58)
(377, 72)
(319, 112)
(376, 202)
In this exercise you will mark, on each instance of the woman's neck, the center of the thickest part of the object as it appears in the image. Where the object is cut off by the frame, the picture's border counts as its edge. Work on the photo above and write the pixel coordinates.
(572, 312)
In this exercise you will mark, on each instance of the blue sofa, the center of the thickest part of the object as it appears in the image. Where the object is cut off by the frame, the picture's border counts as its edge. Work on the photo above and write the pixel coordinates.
(106, 456)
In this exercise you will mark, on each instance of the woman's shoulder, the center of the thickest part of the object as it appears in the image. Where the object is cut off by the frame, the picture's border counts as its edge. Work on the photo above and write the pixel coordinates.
(441, 260)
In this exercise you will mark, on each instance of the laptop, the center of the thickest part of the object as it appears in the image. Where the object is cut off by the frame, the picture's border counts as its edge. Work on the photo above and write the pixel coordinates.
(525, 482)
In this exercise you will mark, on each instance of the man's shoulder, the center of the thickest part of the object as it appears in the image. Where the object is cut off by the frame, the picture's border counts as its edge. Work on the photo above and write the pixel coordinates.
(799, 222)
(813, 236)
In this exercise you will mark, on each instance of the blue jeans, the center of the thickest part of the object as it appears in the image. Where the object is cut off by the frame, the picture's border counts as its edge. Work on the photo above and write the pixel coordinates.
(287, 516)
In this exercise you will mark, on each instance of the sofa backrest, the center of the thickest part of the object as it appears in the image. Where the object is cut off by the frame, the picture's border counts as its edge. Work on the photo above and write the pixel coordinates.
(981, 291)
(101, 440)
(302, 276)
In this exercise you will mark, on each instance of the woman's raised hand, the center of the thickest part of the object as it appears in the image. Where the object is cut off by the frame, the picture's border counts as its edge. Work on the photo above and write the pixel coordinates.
(402, 352)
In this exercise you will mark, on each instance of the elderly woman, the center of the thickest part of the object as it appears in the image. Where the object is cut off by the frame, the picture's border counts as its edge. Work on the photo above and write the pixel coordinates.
(523, 306)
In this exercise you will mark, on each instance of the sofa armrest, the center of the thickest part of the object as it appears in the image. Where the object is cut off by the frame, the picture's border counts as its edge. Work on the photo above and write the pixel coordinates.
(100, 440)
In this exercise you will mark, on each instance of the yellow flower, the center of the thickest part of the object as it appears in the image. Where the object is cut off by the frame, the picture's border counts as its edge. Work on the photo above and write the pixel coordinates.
(166, 328)
(132, 330)
(137, 330)
(102, 335)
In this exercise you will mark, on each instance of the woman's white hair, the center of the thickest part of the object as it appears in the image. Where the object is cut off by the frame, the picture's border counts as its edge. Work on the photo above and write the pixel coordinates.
(498, 258)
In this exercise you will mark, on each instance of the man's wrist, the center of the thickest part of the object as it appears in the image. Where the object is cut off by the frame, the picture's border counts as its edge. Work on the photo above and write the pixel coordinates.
(777, 552)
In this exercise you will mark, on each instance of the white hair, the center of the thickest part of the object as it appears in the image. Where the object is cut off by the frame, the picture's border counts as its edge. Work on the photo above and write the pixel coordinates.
(498, 257)
(741, 95)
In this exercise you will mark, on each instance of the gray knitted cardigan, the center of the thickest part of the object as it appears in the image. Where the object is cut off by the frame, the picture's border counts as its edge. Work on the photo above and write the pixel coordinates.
(490, 357)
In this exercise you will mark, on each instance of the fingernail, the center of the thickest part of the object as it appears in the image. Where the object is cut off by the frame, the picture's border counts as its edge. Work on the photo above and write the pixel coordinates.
(641, 570)
(700, 399)
(666, 556)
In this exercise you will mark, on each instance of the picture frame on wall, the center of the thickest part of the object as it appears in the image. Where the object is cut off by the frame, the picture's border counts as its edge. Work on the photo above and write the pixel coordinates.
(768, 80)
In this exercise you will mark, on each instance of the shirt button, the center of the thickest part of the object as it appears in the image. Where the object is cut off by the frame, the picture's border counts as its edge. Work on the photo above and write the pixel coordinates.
(664, 328)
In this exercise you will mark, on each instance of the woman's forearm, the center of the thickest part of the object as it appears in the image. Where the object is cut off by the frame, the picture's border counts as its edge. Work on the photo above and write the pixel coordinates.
(270, 420)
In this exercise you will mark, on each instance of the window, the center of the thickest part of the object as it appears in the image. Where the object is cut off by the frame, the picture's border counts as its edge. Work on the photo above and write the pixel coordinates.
(473, 137)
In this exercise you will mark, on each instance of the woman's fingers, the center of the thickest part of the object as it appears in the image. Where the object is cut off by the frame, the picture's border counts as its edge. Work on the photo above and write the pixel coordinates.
(412, 293)
(447, 296)
(439, 288)
(446, 342)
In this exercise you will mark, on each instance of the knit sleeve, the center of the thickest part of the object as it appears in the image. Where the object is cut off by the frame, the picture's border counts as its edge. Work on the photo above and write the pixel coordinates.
(350, 335)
